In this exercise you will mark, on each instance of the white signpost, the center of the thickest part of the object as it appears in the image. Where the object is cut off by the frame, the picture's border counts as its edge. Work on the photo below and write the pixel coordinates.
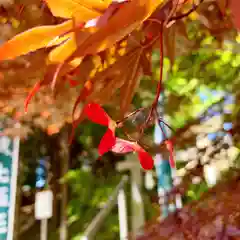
(210, 174)
(122, 215)
(44, 210)
(9, 151)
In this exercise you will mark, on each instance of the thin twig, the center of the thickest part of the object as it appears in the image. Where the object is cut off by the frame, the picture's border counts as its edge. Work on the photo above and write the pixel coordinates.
(159, 86)
(172, 12)
(194, 8)
(120, 122)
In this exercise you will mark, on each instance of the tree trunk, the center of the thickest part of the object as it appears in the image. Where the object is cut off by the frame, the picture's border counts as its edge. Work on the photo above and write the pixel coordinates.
(56, 175)
(64, 158)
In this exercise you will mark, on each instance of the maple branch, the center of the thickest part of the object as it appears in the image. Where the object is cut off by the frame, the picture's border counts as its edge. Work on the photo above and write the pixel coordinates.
(159, 85)
(194, 8)
(172, 12)
(151, 43)
(166, 124)
(120, 122)
(153, 20)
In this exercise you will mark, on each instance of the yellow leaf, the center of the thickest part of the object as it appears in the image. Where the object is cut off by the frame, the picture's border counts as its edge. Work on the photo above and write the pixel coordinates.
(15, 22)
(32, 40)
(123, 22)
(62, 52)
(81, 10)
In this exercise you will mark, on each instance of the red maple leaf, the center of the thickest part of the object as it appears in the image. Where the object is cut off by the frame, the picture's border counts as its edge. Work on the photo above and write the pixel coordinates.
(145, 159)
(124, 146)
(96, 114)
(107, 142)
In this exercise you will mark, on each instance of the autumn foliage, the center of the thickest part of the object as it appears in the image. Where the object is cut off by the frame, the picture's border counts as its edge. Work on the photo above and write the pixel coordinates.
(214, 216)
(102, 48)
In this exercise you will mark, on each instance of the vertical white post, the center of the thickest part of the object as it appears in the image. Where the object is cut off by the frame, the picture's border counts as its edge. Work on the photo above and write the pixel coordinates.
(149, 180)
(93, 227)
(138, 218)
(15, 156)
(44, 231)
(210, 174)
(137, 206)
(176, 182)
(122, 215)
(44, 210)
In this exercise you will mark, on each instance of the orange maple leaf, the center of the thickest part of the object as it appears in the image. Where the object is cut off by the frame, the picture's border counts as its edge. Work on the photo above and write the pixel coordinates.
(78, 14)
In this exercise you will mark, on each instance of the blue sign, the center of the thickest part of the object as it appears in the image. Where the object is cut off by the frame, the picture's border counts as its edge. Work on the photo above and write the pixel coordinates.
(41, 174)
